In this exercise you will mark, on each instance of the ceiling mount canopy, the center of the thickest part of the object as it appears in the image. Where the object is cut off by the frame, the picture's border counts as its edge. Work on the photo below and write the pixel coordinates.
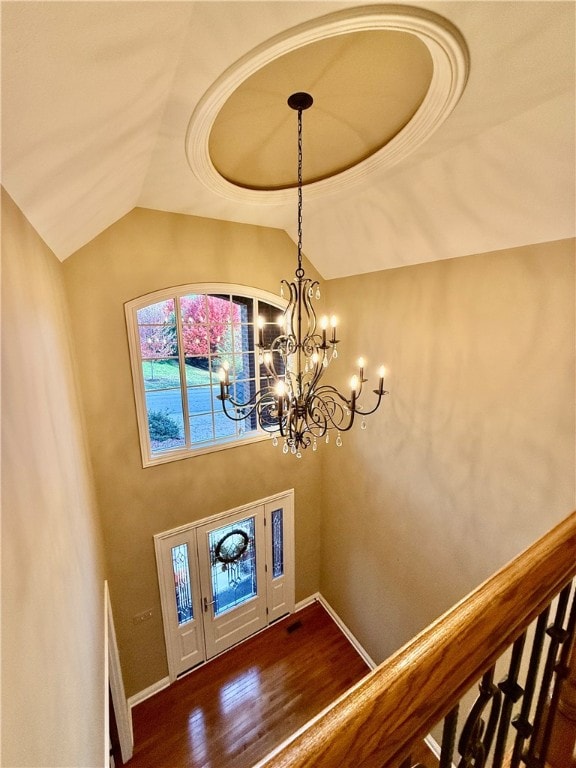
(300, 100)
(384, 79)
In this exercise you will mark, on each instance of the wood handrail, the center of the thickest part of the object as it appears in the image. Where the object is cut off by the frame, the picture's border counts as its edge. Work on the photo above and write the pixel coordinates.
(375, 723)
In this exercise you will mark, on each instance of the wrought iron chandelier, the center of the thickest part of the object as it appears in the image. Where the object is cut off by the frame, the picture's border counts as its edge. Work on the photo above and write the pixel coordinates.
(293, 404)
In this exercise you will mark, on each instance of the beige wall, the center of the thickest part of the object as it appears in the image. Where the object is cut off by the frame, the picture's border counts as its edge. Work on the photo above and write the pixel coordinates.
(145, 251)
(471, 457)
(53, 692)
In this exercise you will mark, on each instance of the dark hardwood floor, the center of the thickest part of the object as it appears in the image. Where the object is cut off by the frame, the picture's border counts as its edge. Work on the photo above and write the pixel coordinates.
(236, 708)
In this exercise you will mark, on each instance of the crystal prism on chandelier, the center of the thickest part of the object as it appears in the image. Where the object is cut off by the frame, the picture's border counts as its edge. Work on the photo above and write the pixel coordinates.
(293, 403)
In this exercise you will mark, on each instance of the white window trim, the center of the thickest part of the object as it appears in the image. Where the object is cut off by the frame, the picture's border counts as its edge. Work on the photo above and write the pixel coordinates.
(131, 308)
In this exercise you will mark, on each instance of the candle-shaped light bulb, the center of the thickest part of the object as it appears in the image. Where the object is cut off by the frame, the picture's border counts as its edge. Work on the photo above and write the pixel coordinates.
(381, 372)
(353, 387)
(333, 324)
(222, 377)
(226, 369)
(280, 391)
(361, 366)
(323, 326)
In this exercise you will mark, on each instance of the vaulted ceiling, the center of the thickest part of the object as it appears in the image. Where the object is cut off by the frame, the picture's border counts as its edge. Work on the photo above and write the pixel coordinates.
(438, 129)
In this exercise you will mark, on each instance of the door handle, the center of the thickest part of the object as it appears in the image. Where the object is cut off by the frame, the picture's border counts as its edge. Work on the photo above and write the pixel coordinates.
(206, 604)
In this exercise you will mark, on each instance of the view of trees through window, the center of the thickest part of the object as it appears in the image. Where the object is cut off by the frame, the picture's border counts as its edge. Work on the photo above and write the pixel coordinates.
(183, 343)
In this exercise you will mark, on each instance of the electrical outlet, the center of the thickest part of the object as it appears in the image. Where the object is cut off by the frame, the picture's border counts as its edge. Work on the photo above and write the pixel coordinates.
(140, 617)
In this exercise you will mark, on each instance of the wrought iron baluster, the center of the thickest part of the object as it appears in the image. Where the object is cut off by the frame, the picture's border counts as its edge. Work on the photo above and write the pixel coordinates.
(557, 635)
(448, 738)
(512, 692)
(476, 737)
(561, 670)
(522, 721)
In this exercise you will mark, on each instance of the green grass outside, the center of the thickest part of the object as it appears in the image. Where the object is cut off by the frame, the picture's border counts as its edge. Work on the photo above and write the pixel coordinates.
(163, 374)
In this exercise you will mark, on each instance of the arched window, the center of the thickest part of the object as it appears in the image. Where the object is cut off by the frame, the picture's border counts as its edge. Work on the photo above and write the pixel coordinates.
(179, 338)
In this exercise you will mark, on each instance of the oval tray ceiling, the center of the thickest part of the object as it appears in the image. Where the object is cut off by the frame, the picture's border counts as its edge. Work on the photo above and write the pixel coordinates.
(382, 80)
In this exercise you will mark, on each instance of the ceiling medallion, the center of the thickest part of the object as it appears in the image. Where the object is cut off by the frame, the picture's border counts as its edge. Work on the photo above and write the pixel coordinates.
(450, 62)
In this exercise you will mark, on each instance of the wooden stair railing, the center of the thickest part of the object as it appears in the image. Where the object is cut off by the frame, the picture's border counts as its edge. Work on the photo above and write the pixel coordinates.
(377, 722)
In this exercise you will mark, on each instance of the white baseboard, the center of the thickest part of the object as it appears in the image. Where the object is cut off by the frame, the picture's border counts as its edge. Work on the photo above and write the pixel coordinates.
(338, 621)
(306, 602)
(316, 597)
(141, 696)
(430, 741)
(433, 745)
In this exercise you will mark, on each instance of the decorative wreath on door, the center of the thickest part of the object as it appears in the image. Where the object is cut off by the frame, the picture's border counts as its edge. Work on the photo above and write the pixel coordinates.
(232, 546)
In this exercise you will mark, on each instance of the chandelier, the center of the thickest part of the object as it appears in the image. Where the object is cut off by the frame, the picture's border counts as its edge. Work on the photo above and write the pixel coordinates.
(293, 403)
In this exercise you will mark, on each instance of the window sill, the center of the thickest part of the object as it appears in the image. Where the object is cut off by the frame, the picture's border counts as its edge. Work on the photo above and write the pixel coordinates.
(177, 455)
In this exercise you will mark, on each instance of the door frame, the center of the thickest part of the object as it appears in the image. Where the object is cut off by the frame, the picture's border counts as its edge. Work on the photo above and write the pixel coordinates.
(115, 684)
(167, 595)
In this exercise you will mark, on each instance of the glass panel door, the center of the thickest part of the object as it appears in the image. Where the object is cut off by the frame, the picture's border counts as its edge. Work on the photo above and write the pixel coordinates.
(280, 557)
(232, 573)
(180, 591)
(182, 583)
(233, 564)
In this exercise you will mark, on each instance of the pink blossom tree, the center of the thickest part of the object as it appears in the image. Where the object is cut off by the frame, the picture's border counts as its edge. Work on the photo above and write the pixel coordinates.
(157, 336)
(206, 324)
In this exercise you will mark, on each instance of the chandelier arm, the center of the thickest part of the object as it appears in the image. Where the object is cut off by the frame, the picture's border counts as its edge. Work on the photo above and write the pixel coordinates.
(309, 286)
(270, 368)
(286, 340)
(326, 360)
(320, 420)
(333, 415)
(237, 407)
(331, 390)
(268, 413)
(315, 375)
(251, 404)
(380, 396)
(288, 374)
(290, 311)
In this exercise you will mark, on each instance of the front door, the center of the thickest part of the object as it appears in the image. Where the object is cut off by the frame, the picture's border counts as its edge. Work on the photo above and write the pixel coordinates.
(223, 579)
(233, 579)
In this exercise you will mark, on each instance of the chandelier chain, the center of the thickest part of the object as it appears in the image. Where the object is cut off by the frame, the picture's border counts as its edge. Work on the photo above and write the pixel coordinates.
(299, 271)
